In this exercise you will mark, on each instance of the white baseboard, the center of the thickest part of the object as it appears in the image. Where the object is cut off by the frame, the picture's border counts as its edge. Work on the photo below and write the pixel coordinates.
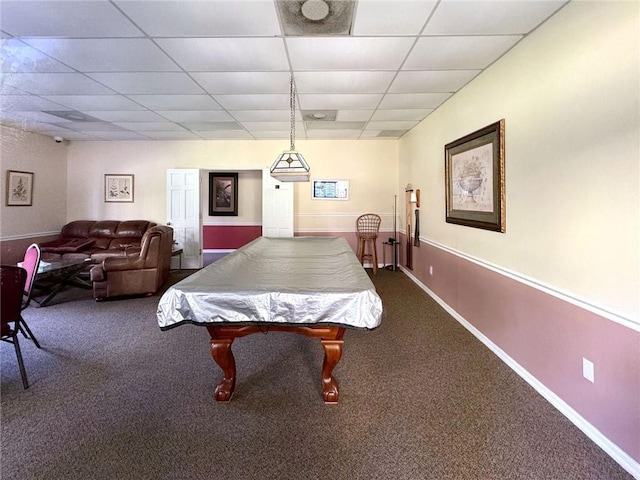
(615, 452)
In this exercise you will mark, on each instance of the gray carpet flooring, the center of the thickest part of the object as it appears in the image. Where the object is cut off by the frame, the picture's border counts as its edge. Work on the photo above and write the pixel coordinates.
(113, 397)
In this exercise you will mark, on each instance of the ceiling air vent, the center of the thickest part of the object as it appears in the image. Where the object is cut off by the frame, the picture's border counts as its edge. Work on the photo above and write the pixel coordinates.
(316, 17)
(391, 133)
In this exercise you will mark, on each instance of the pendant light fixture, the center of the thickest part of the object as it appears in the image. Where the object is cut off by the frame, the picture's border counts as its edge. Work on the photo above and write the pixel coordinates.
(291, 166)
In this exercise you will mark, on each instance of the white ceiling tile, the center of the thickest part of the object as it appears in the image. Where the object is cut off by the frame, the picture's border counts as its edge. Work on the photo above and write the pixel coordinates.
(227, 54)
(397, 101)
(334, 134)
(253, 102)
(401, 17)
(401, 115)
(211, 126)
(106, 55)
(458, 53)
(279, 134)
(197, 116)
(29, 117)
(354, 115)
(456, 17)
(150, 126)
(343, 82)
(176, 102)
(339, 101)
(120, 135)
(94, 127)
(148, 82)
(55, 84)
(94, 102)
(46, 18)
(431, 81)
(347, 53)
(226, 135)
(179, 135)
(390, 125)
(270, 126)
(26, 103)
(16, 56)
(203, 19)
(126, 116)
(264, 115)
(235, 83)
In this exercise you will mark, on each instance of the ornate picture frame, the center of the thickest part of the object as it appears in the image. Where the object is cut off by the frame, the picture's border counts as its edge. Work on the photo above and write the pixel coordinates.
(223, 193)
(118, 188)
(475, 179)
(19, 188)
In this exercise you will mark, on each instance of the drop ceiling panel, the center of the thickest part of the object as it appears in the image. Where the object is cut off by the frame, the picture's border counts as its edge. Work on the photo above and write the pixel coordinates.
(66, 19)
(458, 53)
(106, 55)
(227, 54)
(337, 101)
(150, 126)
(222, 67)
(396, 101)
(148, 82)
(176, 102)
(455, 17)
(343, 82)
(348, 53)
(16, 56)
(94, 102)
(126, 116)
(431, 81)
(401, 115)
(401, 17)
(196, 115)
(238, 83)
(55, 84)
(203, 19)
(254, 102)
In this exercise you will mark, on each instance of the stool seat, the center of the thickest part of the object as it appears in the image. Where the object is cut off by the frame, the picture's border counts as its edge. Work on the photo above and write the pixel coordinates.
(367, 228)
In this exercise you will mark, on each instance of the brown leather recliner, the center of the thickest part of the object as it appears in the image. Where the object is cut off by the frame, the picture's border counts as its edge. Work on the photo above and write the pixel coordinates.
(140, 274)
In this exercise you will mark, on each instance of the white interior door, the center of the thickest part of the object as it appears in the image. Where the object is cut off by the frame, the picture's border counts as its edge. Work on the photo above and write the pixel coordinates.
(277, 207)
(183, 214)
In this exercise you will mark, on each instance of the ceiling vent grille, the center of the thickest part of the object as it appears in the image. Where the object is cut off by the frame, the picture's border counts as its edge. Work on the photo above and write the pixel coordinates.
(316, 17)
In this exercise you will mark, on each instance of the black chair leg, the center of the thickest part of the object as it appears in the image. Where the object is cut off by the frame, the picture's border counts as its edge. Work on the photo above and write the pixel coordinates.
(23, 371)
(26, 331)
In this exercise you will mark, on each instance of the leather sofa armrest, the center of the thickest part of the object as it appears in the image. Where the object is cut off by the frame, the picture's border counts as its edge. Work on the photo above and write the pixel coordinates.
(97, 274)
(119, 264)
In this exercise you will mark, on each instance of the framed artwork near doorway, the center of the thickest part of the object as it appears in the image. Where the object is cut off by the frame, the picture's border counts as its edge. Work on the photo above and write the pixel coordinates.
(223, 193)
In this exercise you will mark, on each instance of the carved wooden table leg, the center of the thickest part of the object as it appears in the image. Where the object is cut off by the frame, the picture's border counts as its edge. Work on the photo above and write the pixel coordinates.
(223, 356)
(332, 354)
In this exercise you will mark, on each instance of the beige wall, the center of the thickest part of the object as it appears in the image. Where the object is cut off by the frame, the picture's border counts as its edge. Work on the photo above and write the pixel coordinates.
(31, 152)
(371, 167)
(569, 96)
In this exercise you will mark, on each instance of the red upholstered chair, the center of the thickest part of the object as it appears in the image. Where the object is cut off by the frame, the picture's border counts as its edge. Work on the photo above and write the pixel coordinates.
(367, 228)
(30, 263)
(13, 281)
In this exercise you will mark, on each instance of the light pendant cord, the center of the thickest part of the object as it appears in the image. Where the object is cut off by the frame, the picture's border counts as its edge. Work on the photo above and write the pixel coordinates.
(292, 104)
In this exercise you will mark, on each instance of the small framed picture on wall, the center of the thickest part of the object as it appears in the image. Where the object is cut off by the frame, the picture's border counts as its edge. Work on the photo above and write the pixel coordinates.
(118, 188)
(19, 188)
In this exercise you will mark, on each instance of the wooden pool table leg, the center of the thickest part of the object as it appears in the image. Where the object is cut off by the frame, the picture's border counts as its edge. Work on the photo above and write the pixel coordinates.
(332, 354)
(223, 356)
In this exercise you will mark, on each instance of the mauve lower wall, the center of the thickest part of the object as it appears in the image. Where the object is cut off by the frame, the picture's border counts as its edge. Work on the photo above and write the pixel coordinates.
(546, 336)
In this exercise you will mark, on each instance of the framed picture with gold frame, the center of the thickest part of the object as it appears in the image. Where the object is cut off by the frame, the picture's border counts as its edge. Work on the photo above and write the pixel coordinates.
(475, 179)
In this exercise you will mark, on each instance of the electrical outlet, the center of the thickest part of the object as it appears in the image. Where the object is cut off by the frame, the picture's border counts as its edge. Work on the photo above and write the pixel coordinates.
(587, 370)
(430, 269)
